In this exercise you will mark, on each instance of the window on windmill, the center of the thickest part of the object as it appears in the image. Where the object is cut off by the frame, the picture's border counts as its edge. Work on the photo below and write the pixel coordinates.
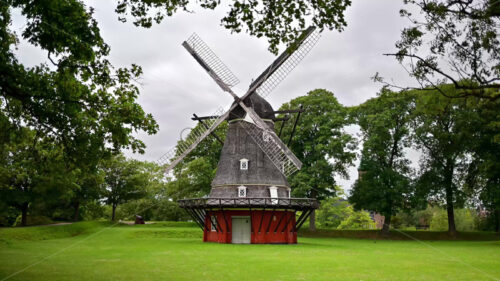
(243, 164)
(273, 190)
(213, 223)
(242, 191)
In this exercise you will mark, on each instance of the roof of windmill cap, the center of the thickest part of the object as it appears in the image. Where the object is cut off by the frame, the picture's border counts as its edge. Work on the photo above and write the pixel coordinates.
(259, 105)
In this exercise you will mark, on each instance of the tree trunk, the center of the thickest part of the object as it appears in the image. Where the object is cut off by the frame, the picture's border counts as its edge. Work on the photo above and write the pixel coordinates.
(497, 221)
(77, 211)
(113, 213)
(387, 224)
(24, 214)
(312, 221)
(312, 216)
(448, 181)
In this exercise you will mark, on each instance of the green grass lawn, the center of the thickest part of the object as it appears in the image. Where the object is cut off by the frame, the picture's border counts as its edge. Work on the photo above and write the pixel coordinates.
(167, 251)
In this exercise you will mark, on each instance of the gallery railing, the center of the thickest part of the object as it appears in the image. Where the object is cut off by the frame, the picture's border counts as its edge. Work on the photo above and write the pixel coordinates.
(259, 202)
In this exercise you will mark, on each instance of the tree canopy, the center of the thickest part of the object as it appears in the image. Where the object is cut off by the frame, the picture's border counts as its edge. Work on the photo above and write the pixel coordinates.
(321, 143)
(384, 184)
(452, 42)
(279, 21)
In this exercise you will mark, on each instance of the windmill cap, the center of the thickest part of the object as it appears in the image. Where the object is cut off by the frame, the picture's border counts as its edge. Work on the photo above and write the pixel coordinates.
(259, 105)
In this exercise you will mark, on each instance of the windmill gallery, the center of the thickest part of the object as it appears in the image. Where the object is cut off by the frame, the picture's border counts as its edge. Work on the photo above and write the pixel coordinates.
(250, 200)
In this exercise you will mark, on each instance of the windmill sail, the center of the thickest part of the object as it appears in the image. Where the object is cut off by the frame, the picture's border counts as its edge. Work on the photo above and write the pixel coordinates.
(285, 63)
(285, 161)
(267, 139)
(177, 153)
(210, 62)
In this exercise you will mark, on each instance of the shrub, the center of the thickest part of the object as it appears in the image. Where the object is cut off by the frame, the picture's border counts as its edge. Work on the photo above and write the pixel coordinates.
(34, 220)
(332, 212)
(465, 220)
(358, 220)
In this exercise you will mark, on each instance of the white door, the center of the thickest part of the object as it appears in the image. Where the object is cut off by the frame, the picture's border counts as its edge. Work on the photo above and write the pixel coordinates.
(240, 230)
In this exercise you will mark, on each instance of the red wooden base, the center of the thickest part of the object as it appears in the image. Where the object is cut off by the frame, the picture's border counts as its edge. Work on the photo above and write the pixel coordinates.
(267, 227)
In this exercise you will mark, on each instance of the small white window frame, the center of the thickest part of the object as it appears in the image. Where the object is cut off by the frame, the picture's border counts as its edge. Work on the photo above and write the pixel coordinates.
(273, 191)
(242, 191)
(244, 164)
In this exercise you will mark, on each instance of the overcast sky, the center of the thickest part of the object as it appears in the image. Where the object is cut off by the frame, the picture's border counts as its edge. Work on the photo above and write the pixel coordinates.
(174, 86)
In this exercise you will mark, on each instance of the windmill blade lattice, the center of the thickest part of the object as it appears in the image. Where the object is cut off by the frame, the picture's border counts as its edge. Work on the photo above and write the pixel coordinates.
(268, 144)
(210, 61)
(197, 134)
(288, 65)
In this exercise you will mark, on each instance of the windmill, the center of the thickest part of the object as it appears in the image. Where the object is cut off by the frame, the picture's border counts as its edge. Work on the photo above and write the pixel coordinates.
(250, 197)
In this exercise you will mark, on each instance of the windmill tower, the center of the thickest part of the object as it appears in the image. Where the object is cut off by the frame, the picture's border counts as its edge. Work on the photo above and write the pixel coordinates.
(250, 198)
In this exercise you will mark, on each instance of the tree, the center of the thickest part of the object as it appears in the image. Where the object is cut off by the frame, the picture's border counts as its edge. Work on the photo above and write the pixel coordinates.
(465, 220)
(385, 185)
(125, 180)
(155, 204)
(357, 220)
(321, 144)
(193, 176)
(79, 101)
(452, 42)
(81, 98)
(278, 21)
(333, 211)
(484, 174)
(32, 170)
(443, 130)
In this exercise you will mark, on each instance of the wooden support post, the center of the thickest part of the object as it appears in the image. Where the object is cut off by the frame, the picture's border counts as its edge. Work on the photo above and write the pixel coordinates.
(205, 125)
(218, 228)
(202, 218)
(251, 220)
(270, 220)
(262, 218)
(212, 222)
(195, 218)
(288, 222)
(299, 224)
(224, 216)
(281, 127)
(279, 222)
(300, 217)
(294, 126)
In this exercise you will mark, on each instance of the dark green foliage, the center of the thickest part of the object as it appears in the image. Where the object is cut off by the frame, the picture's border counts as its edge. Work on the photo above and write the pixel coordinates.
(33, 171)
(333, 211)
(484, 175)
(320, 143)
(128, 180)
(33, 220)
(194, 175)
(444, 132)
(58, 121)
(384, 185)
(357, 220)
(279, 21)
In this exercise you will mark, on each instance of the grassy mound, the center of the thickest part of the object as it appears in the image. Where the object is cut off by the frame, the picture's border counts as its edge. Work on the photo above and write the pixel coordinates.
(399, 235)
(49, 231)
(173, 232)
